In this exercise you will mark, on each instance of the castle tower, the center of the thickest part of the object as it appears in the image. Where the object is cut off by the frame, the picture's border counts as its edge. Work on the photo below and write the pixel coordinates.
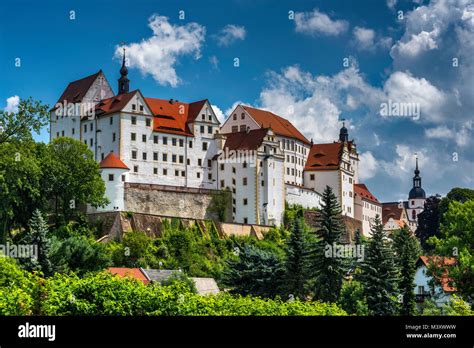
(114, 173)
(123, 81)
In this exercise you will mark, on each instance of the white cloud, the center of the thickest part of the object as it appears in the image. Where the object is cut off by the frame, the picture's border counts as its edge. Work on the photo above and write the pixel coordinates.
(391, 4)
(316, 22)
(214, 62)
(158, 54)
(369, 166)
(366, 39)
(229, 34)
(12, 104)
(461, 137)
(219, 114)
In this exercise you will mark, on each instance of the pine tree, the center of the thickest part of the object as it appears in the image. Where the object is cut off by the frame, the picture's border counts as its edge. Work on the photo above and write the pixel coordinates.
(328, 269)
(379, 272)
(407, 250)
(38, 237)
(296, 272)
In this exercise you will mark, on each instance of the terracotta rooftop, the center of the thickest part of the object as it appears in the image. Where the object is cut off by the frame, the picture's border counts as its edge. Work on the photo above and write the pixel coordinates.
(324, 157)
(113, 104)
(244, 140)
(76, 90)
(391, 210)
(135, 273)
(364, 192)
(278, 124)
(441, 262)
(112, 161)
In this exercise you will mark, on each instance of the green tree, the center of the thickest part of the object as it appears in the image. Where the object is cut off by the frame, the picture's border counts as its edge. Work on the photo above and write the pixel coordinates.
(37, 236)
(407, 250)
(18, 126)
(71, 178)
(220, 203)
(329, 270)
(457, 240)
(457, 194)
(254, 272)
(429, 222)
(379, 273)
(296, 263)
(352, 298)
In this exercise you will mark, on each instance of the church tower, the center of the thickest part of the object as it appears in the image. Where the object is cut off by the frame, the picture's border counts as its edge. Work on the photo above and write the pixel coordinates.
(416, 197)
(343, 134)
(123, 81)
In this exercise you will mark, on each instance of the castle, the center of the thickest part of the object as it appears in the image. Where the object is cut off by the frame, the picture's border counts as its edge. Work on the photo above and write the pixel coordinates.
(152, 149)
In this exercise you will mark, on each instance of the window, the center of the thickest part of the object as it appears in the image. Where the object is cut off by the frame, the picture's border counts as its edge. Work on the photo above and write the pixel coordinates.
(243, 128)
(91, 126)
(113, 137)
(204, 146)
(242, 116)
(141, 107)
(144, 156)
(413, 214)
(202, 129)
(111, 177)
(173, 158)
(123, 177)
(203, 116)
(350, 180)
(155, 156)
(155, 139)
(165, 171)
(350, 193)
(144, 138)
(245, 201)
(421, 290)
(209, 163)
(183, 173)
(233, 181)
(222, 183)
(311, 177)
(134, 154)
(209, 176)
(134, 106)
(62, 133)
(85, 129)
(176, 173)
(188, 162)
(235, 129)
(181, 142)
(73, 131)
(244, 164)
(198, 175)
(134, 119)
(135, 169)
(234, 117)
(165, 140)
(181, 159)
(263, 183)
(209, 129)
(133, 136)
(199, 162)
(85, 140)
(173, 141)
(190, 144)
(111, 120)
(91, 142)
(222, 166)
(244, 181)
(233, 209)
(165, 157)
(210, 118)
(155, 170)
(148, 122)
(246, 221)
(102, 156)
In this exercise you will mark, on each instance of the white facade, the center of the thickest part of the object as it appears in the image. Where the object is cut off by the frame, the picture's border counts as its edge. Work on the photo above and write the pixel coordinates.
(422, 287)
(307, 198)
(366, 211)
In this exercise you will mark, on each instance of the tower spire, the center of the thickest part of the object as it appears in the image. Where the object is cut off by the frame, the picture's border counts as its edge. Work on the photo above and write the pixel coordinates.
(123, 81)
(343, 134)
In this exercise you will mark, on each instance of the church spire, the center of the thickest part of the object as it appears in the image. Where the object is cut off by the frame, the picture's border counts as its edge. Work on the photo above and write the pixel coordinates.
(417, 191)
(343, 134)
(123, 81)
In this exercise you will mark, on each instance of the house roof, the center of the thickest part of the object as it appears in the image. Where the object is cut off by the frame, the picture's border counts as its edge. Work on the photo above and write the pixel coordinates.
(205, 286)
(364, 192)
(172, 116)
(76, 90)
(324, 156)
(391, 210)
(112, 161)
(113, 104)
(135, 273)
(244, 140)
(441, 262)
(159, 275)
(278, 124)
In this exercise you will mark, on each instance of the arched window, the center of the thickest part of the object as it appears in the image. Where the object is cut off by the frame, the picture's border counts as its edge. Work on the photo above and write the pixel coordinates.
(413, 214)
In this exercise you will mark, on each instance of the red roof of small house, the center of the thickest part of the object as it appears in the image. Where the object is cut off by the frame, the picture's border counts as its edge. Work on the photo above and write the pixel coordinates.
(281, 126)
(391, 210)
(135, 273)
(172, 116)
(113, 104)
(364, 192)
(441, 262)
(244, 140)
(324, 157)
(76, 90)
(112, 161)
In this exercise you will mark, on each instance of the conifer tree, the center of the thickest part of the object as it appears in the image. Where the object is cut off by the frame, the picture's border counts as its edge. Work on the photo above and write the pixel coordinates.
(296, 266)
(379, 273)
(407, 250)
(329, 269)
(37, 236)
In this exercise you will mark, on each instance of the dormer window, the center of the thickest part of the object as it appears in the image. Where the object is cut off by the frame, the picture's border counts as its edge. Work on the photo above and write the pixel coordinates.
(141, 107)
(134, 107)
(242, 116)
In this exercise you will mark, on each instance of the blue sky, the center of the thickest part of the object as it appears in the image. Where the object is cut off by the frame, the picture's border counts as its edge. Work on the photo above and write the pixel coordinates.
(291, 65)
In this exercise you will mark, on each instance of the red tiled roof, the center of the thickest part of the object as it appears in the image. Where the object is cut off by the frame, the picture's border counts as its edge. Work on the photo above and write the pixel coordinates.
(278, 124)
(173, 116)
(113, 104)
(135, 273)
(391, 210)
(76, 90)
(364, 192)
(324, 157)
(112, 161)
(439, 262)
(245, 141)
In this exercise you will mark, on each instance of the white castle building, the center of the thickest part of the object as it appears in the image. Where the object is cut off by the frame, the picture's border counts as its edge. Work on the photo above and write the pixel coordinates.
(260, 157)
